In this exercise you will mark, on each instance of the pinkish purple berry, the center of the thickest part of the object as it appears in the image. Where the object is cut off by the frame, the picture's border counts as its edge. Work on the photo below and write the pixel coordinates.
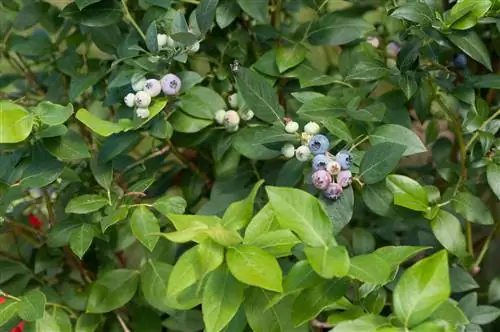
(321, 179)
(344, 178)
(334, 191)
(171, 84)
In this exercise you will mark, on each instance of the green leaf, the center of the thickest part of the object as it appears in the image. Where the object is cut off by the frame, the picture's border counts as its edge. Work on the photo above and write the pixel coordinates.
(472, 208)
(328, 262)
(451, 313)
(422, 289)
(418, 12)
(314, 300)
(183, 123)
(53, 114)
(370, 268)
(201, 102)
(472, 45)
(85, 204)
(154, 281)
(15, 123)
(151, 38)
(239, 214)
(170, 205)
(367, 323)
(290, 56)
(258, 9)
(99, 126)
(80, 84)
(363, 242)
(254, 266)
(448, 231)
(396, 255)
(102, 172)
(112, 290)
(7, 310)
(222, 297)
(81, 239)
(493, 291)
(407, 192)
(367, 71)
(246, 142)
(488, 81)
(340, 211)
(205, 14)
(379, 199)
(87, 323)
(145, 227)
(301, 212)
(42, 171)
(225, 14)
(484, 314)
(339, 129)
(69, 147)
(493, 177)
(322, 107)
(95, 15)
(32, 305)
(84, 3)
(465, 14)
(336, 29)
(278, 243)
(259, 95)
(47, 324)
(262, 223)
(461, 281)
(379, 161)
(399, 135)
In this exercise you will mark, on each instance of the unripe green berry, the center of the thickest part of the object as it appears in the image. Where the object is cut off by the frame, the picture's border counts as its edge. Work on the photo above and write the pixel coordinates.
(233, 100)
(142, 99)
(219, 116)
(231, 118)
(138, 81)
(312, 128)
(288, 150)
(303, 153)
(142, 112)
(246, 115)
(292, 127)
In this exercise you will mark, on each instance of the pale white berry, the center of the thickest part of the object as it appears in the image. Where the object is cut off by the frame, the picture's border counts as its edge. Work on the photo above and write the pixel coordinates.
(303, 153)
(232, 129)
(161, 38)
(194, 48)
(312, 128)
(233, 100)
(138, 81)
(246, 115)
(219, 116)
(231, 118)
(292, 127)
(152, 87)
(129, 100)
(142, 112)
(288, 150)
(142, 99)
(374, 41)
(171, 84)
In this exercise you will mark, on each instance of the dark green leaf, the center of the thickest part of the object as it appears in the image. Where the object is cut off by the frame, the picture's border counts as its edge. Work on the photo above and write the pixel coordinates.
(379, 161)
(448, 231)
(85, 204)
(112, 290)
(399, 135)
(205, 13)
(472, 45)
(472, 208)
(418, 12)
(335, 29)
(257, 9)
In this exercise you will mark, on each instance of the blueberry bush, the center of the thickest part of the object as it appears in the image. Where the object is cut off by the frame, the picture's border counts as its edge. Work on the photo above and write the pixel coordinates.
(249, 165)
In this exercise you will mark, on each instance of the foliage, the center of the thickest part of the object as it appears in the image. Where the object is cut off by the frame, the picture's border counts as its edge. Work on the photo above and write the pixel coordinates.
(151, 179)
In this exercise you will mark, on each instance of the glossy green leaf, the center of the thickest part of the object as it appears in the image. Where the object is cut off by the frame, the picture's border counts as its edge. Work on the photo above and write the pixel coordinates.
(145, 227)
(112, 290)
(493, 176)
(399, 135)
(71, 146)
(472, 45)
(340, 211)
(88, 323)
(222, 297)
(32, 305)
(422, 289)
(418, 12)
(201, 102)
(170, 204)
(302, 213)
(335, 29)
(253, 266)
(472, 208)
(113, 218)
(205, 14)
(328, 262)
(290, 56)
(85, 204)
(256, 9)
(239, 213)
(407, 192)
(97, 125)
(81, 239)
(278, 243)
(370, 268)
(154, 281)
(379, 161)
(15, 123)
(184, 123)
(339, 129)
(448, 231)
(8, 309)
(53, 114)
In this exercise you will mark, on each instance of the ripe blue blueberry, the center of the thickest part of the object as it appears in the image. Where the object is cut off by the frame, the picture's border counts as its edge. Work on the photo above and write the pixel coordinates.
(321, 179)
(344, 158)
(319, 162)
(334, 191)
(319, 144)
(460, 61)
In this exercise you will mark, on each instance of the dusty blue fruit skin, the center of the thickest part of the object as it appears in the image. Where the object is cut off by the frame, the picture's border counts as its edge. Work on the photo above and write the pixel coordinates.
(319, 144)
(334, 191)
(319, 162)
(460, 61)
(344, 158)
(344, 178)
(321, 179)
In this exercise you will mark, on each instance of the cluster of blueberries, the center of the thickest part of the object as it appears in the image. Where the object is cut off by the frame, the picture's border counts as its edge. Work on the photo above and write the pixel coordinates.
(231, 118)
(146, 89)
(331, 172)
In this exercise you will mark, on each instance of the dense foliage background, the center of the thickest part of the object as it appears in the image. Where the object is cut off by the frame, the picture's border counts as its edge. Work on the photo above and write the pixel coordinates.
(180, 216)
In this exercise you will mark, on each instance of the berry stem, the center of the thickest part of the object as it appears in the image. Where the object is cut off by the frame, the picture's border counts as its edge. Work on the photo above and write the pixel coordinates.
(359, 143)
(129, 17)
(486, 245)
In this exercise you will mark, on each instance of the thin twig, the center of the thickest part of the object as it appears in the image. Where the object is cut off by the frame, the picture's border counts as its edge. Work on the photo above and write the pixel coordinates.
(486, 245)
(122, 323)
(321, 325)
(155, 154)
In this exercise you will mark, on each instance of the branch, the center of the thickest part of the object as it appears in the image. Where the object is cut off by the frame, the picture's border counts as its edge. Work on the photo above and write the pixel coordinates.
(322, 325)
(122, 323)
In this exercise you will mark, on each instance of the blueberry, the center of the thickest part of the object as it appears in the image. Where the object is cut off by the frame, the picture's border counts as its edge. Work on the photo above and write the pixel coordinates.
(170, 84)
(334, 191)
(319, 144)
(344, 178)
(460, 61)
(344, 158)
(321, 179)
(319, 162)
(333, 167)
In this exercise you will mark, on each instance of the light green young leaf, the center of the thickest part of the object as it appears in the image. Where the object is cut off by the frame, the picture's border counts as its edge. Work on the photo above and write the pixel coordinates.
(239, 213)
(253, 266)
(290, 56)
(15, 122)
(7, 310)
(154, 281)
(328, 262)
(97, 125)
(278, 243)
(407, 192)
(370, 268)
(88, 323)
(262, 223)
(170, 204)
(422, 289)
